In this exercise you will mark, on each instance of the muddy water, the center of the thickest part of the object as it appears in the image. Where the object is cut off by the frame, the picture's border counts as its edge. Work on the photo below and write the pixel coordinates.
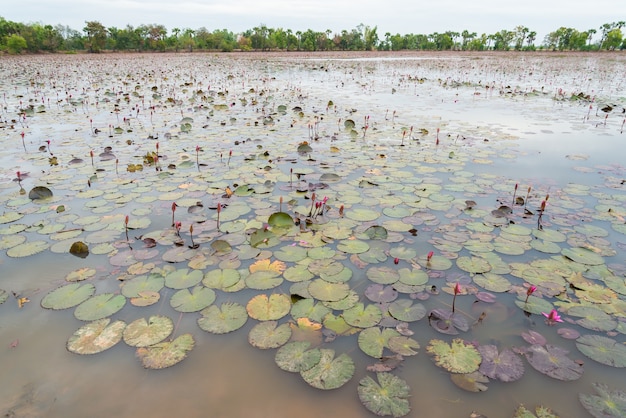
(528, 137)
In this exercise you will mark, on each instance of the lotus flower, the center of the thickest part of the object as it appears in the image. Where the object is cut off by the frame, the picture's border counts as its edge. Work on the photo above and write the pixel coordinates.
(529, 292)
(429, 256)
(457, 290)
(553, 317)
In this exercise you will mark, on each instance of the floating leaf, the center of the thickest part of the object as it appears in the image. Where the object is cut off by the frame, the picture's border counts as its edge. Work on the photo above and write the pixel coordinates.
(387, 397)
(132, 288)
(553, 361)
(330, 372)
(505, 366)
(447, 322)
(473, 264)
(458, 357)
(142, 332)
(226, 318)
(39, 192)
(372, 341)
(403, 345)
(99, 306)
(583, 256)
(592, 318)
(603, 350)
(406, 310)
(264, 308)
(608, 403)
(325, 291)
(297, 357)
(471, 382)
(68, 296)
(379, 293)
(362, 316)
(192, 301)
(79, 249)
(268, 334)
(183, 278)
(280, 220)
(96, 336)
(166, 354)
(27, 249)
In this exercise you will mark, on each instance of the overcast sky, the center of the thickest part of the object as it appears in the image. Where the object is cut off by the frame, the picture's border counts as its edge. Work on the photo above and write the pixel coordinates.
(394, 16)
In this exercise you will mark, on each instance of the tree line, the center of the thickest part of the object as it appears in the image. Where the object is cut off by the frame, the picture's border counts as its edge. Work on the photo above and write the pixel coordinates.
(18, 37)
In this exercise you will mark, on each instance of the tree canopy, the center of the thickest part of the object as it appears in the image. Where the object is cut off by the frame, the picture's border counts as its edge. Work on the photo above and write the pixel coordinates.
(16, 37)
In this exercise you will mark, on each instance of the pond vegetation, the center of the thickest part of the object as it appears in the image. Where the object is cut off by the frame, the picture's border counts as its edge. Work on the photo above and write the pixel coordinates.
(402, 235)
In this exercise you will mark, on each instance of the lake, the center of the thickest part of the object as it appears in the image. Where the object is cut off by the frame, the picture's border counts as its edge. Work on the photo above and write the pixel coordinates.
(352, 235)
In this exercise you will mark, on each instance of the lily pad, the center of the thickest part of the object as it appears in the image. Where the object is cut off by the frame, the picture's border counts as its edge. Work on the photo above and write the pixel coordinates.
(362, 316)
(193, 300)
(593, 318)
(379, 293)
(68, 296)
(330, 372)
(166, 354)
(228, 317)
(505, 366)
(99, 306)
(583, 256)
(458, 357)
(387, 397)
(604, 350)
(183, 278)
(473, 264)
(372, 341)
(142, 332)
(268, 308)
(133, 287)
(447, 322)
(268, 334)
(39, 192)
(96, 336)
(553, 361)
(406, 310)
(471, 382)
(297, 357)
(329, 292)
(608, 403)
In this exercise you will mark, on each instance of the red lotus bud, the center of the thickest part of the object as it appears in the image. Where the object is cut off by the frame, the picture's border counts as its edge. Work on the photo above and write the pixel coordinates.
(396, 260)
(457, 288)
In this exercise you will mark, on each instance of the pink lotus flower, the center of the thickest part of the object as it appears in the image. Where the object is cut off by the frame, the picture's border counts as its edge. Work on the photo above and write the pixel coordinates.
(553, 317)
(429, 256)
(529, 292)
(457, 288)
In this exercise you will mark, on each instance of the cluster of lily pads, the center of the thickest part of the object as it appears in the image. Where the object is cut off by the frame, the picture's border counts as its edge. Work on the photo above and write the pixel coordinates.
(316, 222)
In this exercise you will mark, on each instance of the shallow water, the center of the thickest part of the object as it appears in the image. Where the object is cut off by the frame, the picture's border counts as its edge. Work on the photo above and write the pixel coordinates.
(509, 133)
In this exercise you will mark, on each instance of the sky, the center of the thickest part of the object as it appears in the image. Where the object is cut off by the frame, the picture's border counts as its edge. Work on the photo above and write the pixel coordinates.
(394, 16)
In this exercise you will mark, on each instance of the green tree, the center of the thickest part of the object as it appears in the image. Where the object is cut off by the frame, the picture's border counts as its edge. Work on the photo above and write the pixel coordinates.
(15, 44)
(96, 36)
(613, 39)
(370, 36)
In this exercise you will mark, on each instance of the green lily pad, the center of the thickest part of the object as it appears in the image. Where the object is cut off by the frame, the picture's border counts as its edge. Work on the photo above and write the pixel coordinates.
(330, 372)
(264, 280)
(471, 382)
(132, 288)
(264, 308)
(583, 256)
(553, 361)
(407, 311)
(362, 214)
(492, 282)
(99, 306)
(329, 292)
(228, 317)
(540, 412)
(383, 275)
(291, 253)
(39, 192)
(473, 264)
(3, 296)
(296, 356)
(363, 316)
(192, 301)
(608, 403)
(142, 332)
(505, 366)
(376, 232)
(308, 308)
(534, 305)
(221, 278)
(183, 278)
(96, 336)
(603, 350)
(68, 296)
(27, 249)
(166, 354)
(405, 346)
(372, 341)
(387, 397)
(280, 220)
(593, 318)
(413, 277)
(458, 357)
(268, 334)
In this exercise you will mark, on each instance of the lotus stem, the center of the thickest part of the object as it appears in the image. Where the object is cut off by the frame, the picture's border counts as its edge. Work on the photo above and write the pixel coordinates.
(126, 228)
